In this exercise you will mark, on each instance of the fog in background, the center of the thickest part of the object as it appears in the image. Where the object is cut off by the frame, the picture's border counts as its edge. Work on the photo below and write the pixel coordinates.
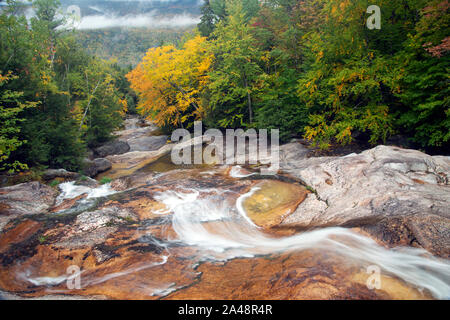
(136, 21)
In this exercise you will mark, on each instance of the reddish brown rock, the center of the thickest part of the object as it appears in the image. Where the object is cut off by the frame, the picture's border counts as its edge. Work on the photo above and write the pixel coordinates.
(127, 248)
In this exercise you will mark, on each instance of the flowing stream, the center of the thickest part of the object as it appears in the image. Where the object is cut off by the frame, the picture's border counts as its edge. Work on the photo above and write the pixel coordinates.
(200, 237)
(236, 236)
(211, 226)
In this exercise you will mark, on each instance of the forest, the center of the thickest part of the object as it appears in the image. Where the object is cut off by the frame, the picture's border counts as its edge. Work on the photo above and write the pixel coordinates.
(56, 100)
(311, 68)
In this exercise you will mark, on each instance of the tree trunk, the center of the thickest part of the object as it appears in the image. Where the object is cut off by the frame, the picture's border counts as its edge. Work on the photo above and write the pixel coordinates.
(249, 98)
(88, 105)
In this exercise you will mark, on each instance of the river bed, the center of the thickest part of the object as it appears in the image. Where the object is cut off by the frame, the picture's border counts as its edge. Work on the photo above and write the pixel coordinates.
(203, 232)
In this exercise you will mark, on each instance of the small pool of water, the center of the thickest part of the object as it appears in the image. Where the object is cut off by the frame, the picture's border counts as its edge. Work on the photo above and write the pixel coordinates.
(165, 164)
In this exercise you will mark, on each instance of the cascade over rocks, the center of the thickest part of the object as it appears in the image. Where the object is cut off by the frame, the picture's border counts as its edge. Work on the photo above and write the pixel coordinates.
(87, 182)
(154, 234)
(125, 248)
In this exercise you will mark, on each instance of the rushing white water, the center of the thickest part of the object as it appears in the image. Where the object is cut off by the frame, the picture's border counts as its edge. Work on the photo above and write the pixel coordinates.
(236, 172)
(44, 281)
(69, 190)
(133, 269)
(240, 205)
(87, 281)
(238, 237)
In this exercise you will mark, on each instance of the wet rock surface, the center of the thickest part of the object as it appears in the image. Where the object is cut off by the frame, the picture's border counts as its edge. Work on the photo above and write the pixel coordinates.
(272, 201)
(151, 143)
(94, 167)
(51, 174)
(136, 128)
(160, 231)
(112, 148)
(399, 196)
(130, 246)
(26, 198)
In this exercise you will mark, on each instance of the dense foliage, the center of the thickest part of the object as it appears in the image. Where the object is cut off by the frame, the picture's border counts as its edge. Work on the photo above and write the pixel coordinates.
(313, 68)
(55, 99)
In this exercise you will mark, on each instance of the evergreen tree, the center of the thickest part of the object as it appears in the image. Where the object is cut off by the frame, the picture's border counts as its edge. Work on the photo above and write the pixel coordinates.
(45, 92)
(208, 19)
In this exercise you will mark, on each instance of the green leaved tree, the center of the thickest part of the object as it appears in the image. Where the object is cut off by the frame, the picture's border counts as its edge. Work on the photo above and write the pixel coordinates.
(424, 84)
(236, 70)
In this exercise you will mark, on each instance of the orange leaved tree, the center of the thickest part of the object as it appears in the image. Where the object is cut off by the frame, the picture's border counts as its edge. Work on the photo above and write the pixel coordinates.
(170, 83)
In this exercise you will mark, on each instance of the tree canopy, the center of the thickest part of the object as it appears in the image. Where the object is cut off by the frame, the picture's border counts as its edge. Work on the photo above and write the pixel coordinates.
(313, 69)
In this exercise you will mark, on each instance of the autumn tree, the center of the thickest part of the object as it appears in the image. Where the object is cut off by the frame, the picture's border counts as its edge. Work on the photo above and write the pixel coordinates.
(314, 68)
(279, 29)
(170, 83)
(100, 107)
(347, 79)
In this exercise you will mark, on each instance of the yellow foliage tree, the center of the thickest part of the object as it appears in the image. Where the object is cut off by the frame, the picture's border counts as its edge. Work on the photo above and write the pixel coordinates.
(170, 81)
